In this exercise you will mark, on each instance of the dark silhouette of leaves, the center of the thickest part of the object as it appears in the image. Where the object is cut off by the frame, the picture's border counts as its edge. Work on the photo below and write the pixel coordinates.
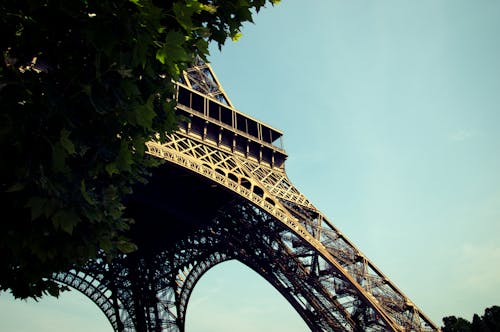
(83, 85)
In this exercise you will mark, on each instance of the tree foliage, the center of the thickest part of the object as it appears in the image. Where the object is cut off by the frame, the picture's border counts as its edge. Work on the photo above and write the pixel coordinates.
(83, 85)
(489, 322)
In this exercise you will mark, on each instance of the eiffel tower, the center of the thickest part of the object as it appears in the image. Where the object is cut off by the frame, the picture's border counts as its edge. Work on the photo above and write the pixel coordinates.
(223, 194)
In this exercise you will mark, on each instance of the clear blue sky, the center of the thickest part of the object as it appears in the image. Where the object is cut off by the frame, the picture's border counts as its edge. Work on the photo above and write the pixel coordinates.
(391, 115)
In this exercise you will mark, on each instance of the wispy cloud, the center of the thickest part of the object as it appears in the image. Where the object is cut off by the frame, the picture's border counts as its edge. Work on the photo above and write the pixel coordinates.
(462, 135)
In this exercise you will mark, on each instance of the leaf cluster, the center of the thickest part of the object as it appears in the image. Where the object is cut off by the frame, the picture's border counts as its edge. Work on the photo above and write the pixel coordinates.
(83, 85)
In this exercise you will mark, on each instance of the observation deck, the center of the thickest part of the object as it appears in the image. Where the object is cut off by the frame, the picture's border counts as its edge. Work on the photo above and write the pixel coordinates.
(217, 123)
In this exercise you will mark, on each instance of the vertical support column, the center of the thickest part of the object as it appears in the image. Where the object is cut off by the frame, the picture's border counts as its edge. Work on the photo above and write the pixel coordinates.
(114, 297)
(188, 127)
(205, 130)
(205, 106)
(154, 316)
(138, 295)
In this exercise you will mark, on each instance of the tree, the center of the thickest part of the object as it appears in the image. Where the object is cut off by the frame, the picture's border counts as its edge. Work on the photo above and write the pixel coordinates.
(454, 324)
(491, 318)
(478, 324)
(489, 322)
(83, 85)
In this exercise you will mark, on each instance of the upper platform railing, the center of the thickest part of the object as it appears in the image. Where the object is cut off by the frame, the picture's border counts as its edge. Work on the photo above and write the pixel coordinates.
(209, 115)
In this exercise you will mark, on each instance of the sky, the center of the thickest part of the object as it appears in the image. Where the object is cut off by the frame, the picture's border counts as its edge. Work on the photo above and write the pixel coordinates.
(391, 117)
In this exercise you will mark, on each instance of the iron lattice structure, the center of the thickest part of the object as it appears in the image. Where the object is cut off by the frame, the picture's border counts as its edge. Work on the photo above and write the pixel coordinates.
(223, 194)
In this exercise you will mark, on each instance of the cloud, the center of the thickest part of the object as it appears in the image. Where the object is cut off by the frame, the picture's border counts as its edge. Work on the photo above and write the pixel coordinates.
(462, 135)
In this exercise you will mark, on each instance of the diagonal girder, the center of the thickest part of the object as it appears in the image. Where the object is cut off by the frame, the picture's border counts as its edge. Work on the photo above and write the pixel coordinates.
(337, 253)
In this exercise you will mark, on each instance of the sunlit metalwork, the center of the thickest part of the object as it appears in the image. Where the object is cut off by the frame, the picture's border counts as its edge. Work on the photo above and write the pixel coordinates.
(223, 194)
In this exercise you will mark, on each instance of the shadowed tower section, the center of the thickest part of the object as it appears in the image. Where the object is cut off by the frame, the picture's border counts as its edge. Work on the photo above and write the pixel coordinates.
(222, 194)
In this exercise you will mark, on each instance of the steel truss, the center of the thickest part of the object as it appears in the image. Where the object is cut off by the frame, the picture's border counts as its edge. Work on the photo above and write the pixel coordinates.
(266, 224)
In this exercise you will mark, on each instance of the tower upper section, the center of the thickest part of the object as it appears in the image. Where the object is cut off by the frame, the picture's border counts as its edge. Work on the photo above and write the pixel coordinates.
(210, 116)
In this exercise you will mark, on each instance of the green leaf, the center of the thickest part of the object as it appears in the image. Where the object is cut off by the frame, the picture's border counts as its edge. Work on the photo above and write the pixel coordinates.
(126, 246)
(83, 190)
(65, 220)
(36, 205)
(202, 46)
(140, 51)
(15, 187)
(59, 155)
(124, 160)
(209, 8)
(137, 3)
(66, 142)
(161, 55)
(139, 144)
(145, 113)
(173, 52)
(50, 207)
(106, 244)
(184, 11)
(244, 14)
(183, 14)
(87, 89)
(125, 73)
(94, 214)
(236, 36)
(111, 168)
